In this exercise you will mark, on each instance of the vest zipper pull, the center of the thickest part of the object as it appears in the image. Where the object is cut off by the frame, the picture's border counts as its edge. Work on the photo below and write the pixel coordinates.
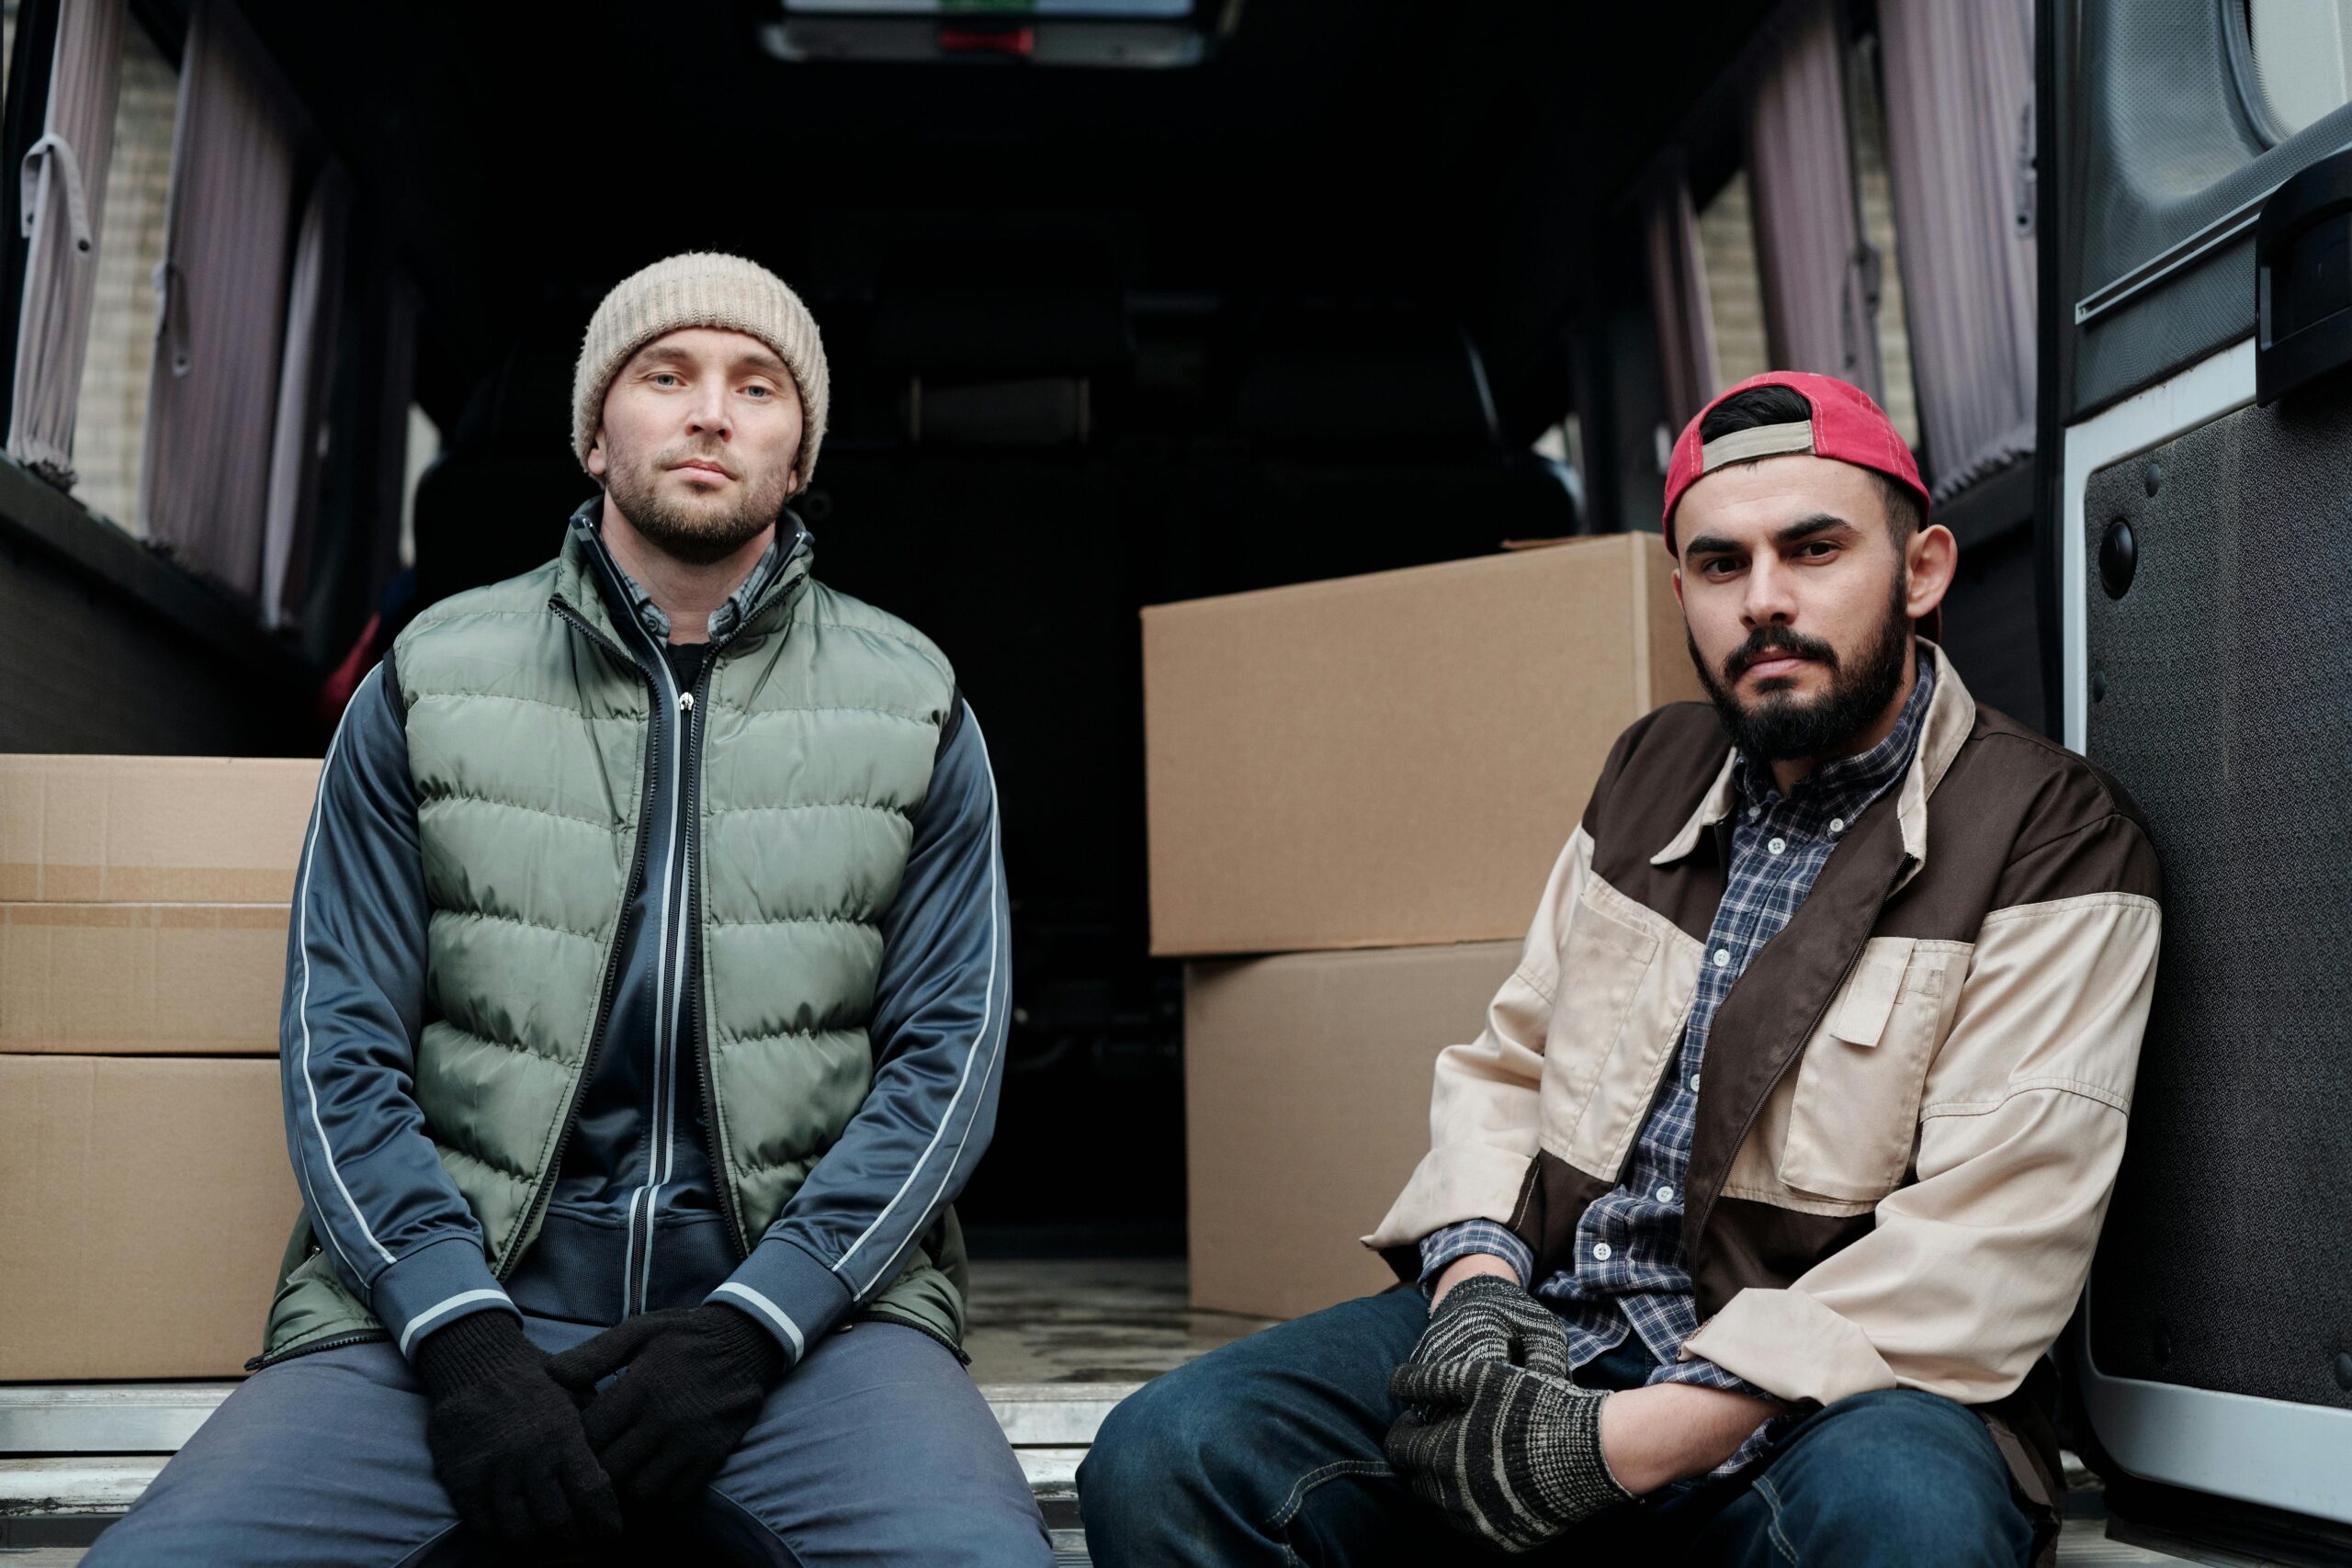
(686, 702)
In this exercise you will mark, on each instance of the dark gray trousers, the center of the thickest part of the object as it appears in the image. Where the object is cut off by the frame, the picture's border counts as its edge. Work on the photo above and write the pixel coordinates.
(875, 1449)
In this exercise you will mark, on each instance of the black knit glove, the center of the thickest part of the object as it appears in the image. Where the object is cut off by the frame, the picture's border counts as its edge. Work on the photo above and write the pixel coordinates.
(695, 1379)
(1512, 1457)
(506, 1439)
(1488, 1318)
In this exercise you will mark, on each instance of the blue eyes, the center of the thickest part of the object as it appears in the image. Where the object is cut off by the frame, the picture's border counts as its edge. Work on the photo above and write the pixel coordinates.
(660, 376)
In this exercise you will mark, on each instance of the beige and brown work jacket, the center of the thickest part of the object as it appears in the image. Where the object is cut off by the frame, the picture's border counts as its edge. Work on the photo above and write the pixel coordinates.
(1914, 1097)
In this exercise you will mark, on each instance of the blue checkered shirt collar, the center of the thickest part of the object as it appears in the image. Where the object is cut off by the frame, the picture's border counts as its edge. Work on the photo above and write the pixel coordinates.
(588, 520)
(1860, 778)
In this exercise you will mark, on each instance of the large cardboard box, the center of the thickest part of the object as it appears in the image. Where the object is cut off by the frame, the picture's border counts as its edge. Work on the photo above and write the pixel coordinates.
(153, 830)
(1306, 1106)
(144, 1206)
(148, 979)
(1394, 759)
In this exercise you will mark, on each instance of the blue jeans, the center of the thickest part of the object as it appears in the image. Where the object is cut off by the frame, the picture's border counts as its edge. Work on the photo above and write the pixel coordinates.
(877, 1450)
(1269, 1452)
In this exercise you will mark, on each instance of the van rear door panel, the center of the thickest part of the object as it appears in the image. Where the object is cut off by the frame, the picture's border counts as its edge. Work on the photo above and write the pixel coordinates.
(2202, 632)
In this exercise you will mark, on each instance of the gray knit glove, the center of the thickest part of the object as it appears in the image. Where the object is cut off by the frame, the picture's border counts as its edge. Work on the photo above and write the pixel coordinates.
(1510, 1456)
(1488, 1318)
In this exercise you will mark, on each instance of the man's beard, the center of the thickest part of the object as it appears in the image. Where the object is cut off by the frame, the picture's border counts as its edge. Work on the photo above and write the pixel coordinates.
(696, 534)
(1778, 726)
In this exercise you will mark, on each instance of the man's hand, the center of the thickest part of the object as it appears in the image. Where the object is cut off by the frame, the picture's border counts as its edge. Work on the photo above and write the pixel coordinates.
(1484, 1318)
(694, 1383)
(1510, 1456)
(506, 1437)
(1671, 1432)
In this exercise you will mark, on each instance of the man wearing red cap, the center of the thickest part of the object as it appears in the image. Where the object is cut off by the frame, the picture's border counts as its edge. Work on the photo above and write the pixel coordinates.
(1908, 947)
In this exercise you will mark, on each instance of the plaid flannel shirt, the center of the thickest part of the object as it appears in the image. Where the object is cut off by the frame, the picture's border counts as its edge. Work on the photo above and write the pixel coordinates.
(1628, 1273)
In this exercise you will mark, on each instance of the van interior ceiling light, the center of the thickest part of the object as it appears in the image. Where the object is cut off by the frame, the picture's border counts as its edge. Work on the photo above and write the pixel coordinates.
(1118, 34)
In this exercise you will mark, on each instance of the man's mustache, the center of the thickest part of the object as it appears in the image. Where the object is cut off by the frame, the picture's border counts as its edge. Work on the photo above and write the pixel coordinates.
(717, 460)
(1767, 640)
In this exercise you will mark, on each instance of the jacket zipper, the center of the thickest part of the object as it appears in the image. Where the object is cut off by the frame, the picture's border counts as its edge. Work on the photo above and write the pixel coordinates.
(689, 812)
(662, 1129)
(698, 701)
(333, 1342)
(700, 1044)
(612, 959)
(638, 1264)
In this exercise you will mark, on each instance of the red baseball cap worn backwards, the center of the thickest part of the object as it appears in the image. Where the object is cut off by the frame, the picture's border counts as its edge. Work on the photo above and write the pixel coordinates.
(1845, 425)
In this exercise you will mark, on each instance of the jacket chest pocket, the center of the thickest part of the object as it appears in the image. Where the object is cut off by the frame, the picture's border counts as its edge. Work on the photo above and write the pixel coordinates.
(1855, 1113)
(1613, 1019)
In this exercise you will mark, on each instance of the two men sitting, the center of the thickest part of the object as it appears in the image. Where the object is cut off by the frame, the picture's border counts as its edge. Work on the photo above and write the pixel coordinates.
(645, 1012)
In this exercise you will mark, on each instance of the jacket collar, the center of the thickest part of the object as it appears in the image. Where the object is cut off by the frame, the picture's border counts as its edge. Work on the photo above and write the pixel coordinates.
(1951, 713)
(594, 585)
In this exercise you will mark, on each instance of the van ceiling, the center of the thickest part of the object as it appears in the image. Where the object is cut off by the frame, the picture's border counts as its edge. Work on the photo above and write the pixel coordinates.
(1455, 155)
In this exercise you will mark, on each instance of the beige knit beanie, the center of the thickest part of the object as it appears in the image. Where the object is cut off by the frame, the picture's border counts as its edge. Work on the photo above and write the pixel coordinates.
(699, 288)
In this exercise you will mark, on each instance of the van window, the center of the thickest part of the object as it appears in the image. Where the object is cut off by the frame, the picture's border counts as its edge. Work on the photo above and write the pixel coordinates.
(111, 417)
(1867, 130)
(2302, 53)
(1735, 287)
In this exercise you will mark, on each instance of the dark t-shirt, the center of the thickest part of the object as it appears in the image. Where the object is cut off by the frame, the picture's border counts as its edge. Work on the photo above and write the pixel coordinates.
(685, 662)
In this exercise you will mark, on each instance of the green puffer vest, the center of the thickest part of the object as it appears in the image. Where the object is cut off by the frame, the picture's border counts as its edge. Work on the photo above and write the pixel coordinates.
(527, 747)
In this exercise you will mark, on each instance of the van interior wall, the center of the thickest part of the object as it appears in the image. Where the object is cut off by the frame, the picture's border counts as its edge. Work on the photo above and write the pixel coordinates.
(109, 651)
(1099, 338)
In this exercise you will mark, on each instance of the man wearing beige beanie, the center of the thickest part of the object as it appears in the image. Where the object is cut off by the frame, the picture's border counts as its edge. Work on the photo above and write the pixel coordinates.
(644, 1013)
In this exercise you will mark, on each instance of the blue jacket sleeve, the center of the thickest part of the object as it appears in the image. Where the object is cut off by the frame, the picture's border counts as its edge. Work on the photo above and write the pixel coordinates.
(938, 1028)
(397, 1231)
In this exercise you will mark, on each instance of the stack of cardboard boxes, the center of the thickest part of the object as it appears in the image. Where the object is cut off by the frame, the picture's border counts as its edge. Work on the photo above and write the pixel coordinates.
(1371, 779)
(145, 1194)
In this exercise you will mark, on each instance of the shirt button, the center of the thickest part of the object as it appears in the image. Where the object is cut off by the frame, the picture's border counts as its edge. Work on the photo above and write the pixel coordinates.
(1600, 1251)
(1777, 846)
(1754, 812)
(1837, 824)
(1695, 1083)
(1666, 1195)
(1723, 958)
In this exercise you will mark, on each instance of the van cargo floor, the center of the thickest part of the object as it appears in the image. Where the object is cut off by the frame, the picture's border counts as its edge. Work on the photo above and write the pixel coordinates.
(1054, 1346)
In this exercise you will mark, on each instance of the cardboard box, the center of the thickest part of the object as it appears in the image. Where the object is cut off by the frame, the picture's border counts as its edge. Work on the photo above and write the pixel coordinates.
(1306, 1106)
(153, 830)
(154, 979)
(1396, 759)
(144, 1207)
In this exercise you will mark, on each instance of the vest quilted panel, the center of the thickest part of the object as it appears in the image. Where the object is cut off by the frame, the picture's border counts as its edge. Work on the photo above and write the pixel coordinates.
(472, 956)
(797, 976)
(772, 1079)
(820, 746)
(469, 843)
(766, 864)
(527, 744)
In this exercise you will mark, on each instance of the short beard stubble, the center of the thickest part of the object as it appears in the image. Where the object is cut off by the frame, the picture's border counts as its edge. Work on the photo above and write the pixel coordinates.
(1779, 728)
(692, 534)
